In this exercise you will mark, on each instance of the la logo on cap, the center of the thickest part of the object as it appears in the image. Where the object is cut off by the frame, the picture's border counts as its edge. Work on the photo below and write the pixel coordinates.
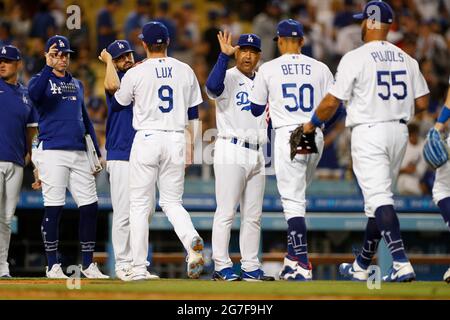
(121, 46)
(250, 39)
(294, 33)
(61, 43)
(3, 50)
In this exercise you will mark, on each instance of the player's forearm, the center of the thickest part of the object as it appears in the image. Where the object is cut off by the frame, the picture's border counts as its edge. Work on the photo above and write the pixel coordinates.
(112, 81)
(326, 109)
(215, 81)
(38, 84)
(340, 113)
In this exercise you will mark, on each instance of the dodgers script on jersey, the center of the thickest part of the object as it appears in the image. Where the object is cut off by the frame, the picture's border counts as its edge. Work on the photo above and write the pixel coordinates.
(291, 83)
(388, 82)
(176, 91)
(233, 113)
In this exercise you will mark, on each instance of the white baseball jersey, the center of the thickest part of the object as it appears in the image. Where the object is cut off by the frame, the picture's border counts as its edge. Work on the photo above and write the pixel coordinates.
(233, 114)
(164, 104)
(380, 82)
(293, 84)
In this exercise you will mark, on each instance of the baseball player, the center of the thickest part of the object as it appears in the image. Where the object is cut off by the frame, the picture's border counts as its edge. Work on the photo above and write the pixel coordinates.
(441, 187)
(165, 95)
(238, 158)
(118, 58)
(18, 122)
(61, 158)
(380, 83)
(293, 85)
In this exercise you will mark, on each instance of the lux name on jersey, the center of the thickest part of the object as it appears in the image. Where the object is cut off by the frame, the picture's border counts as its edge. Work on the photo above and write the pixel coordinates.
(163, 72)
(387, 56)
(296, 68)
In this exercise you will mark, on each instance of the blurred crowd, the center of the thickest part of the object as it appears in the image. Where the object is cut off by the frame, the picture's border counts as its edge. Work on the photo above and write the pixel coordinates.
(422, 29)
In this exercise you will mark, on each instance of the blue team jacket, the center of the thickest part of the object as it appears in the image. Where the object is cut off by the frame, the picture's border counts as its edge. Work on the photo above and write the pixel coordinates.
(63, 119)
(119, 130)
(16, 112)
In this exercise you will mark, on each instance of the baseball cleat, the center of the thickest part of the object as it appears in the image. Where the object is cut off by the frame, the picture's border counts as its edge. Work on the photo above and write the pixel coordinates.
(5, 276)
(447, 276)
(293, 271)
(226, 274)
(151, 276)
(92, 272)
(353, 271)
(195, 259)
(55, 272)
(123, 273)
(257, 275)
(400, 272)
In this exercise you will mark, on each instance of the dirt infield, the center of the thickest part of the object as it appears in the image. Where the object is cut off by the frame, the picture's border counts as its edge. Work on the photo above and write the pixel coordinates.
(46, 289)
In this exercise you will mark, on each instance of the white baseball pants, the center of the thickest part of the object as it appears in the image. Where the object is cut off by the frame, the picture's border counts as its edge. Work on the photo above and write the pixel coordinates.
(157, 157)
(61, 169)
(377, 153)
(294, 176)
(11, 176)
(240, 179)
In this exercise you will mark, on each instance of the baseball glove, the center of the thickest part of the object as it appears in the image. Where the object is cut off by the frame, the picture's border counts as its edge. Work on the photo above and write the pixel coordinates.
(302, 143)
(435, 150)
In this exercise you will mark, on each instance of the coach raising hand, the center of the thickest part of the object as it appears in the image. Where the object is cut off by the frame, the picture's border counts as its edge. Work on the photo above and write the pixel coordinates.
(61, 157)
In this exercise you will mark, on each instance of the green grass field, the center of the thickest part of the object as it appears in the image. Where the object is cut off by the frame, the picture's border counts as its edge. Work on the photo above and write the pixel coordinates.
(35, 288)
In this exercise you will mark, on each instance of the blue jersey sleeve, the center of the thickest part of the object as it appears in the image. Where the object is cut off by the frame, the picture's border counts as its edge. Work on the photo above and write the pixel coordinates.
(257, 109)
(38, 84)
(193, 113)
(215, 81)
(33, 117)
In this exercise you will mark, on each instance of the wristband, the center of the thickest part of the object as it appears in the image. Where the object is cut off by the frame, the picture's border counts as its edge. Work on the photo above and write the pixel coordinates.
(316, 121)
(444, 115)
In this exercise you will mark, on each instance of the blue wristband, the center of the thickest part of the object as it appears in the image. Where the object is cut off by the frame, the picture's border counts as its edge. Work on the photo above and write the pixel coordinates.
(444, 115)
(316, 121)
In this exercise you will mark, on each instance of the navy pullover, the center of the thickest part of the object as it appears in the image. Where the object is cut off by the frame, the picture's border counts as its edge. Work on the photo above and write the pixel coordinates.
(63, 119)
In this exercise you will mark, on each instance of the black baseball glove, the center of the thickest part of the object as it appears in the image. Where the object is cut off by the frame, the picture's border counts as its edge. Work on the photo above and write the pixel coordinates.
(302, 143)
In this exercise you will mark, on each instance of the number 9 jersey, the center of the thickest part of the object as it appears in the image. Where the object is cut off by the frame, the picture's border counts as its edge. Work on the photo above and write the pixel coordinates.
(380, 82)
(294, 85)
(165, 104)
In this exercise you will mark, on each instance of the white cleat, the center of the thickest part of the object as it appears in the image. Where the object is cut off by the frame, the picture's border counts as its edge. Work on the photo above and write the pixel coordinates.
(150, 276)
(123, 273)
(353, 271)
(92, 272)
(447, 276)
(293, 271)
(195, 259)
(400, 272)
(55, 272)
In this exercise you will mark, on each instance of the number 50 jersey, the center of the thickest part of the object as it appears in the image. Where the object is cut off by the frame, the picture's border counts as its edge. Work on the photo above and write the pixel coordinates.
(294, 85)
(163, 91)
(380, 82)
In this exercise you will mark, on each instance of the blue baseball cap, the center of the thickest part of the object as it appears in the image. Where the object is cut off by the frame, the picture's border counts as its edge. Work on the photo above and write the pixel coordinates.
(154, 33)
(249, 40)
(378, 10)
(62, 44)
(118, 48)
(10, 53)
(289, 28)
